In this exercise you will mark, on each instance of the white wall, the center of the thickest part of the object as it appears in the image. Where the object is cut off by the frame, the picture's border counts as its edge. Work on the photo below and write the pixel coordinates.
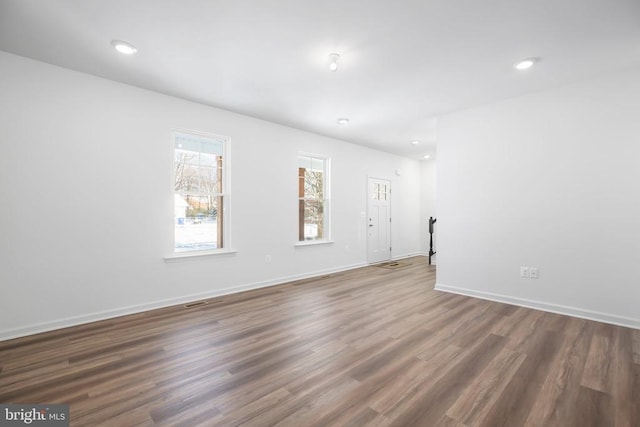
(87, 203)
(427, 203)
(549, 180)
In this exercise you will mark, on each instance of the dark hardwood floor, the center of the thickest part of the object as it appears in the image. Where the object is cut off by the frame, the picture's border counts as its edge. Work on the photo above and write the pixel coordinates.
(367, 347)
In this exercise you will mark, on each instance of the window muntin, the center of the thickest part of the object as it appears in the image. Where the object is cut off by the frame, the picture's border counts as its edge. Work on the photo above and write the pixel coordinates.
(313, 197)
(380, 191)
(199, 185)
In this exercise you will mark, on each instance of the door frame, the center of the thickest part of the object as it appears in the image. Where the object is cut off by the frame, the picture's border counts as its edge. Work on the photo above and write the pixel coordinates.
(366, 225)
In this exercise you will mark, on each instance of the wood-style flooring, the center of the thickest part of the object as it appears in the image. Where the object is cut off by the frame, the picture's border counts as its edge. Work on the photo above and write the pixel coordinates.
(366, 347)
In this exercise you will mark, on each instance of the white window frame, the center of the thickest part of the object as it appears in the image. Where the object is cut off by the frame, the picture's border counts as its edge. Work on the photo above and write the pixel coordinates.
(226, 193)
(327, 208)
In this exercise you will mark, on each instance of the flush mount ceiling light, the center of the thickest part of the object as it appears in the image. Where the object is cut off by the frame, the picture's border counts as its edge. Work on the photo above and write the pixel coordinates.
(415, 142)
(525, 64)
(123, 47)
(343, 121)
(426, 156)
(333, 65)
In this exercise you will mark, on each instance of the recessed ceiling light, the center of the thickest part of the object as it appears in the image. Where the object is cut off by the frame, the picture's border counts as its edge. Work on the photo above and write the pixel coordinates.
(333, 65)
(426, 156)
(415, 142)
(525, 64)
(343, 121)
(124, 47)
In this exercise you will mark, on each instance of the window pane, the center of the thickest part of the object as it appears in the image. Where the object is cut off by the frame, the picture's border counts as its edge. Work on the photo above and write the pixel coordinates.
(313, 185)
(313, 219)
(198, 185)
(312, 193)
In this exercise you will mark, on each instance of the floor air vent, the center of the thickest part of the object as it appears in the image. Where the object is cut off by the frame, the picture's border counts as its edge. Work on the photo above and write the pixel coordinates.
(195, 304)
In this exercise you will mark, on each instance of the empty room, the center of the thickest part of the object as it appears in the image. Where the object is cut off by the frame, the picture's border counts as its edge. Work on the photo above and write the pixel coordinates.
(336, 213)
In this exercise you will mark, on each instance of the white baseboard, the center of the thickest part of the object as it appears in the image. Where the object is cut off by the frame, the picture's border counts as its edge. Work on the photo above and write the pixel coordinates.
(8, 334)
(424, 254)
(409, 255)
(545, 306)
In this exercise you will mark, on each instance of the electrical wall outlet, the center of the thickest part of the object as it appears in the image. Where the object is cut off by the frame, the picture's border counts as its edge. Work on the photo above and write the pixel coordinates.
(528, 272)
(267, 258)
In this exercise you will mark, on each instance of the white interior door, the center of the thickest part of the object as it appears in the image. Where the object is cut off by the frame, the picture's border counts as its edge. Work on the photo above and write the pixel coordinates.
(379, 220)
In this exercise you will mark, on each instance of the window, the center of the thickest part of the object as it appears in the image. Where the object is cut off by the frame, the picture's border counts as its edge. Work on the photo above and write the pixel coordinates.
(200, 188)
(380, 191)
(313, 197)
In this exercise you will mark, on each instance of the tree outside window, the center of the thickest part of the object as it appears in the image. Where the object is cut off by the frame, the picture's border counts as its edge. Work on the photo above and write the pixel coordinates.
(199, 192)
(313, 200)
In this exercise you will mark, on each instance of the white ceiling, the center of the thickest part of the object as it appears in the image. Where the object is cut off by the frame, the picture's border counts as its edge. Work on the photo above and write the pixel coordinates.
(403, 63)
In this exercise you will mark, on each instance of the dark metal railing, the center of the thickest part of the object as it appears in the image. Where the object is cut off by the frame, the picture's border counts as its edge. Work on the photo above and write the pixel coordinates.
(432, 221)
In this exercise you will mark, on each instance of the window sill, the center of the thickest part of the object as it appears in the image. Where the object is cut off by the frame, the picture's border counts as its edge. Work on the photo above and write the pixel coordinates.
(196, 254)
(314, 243)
